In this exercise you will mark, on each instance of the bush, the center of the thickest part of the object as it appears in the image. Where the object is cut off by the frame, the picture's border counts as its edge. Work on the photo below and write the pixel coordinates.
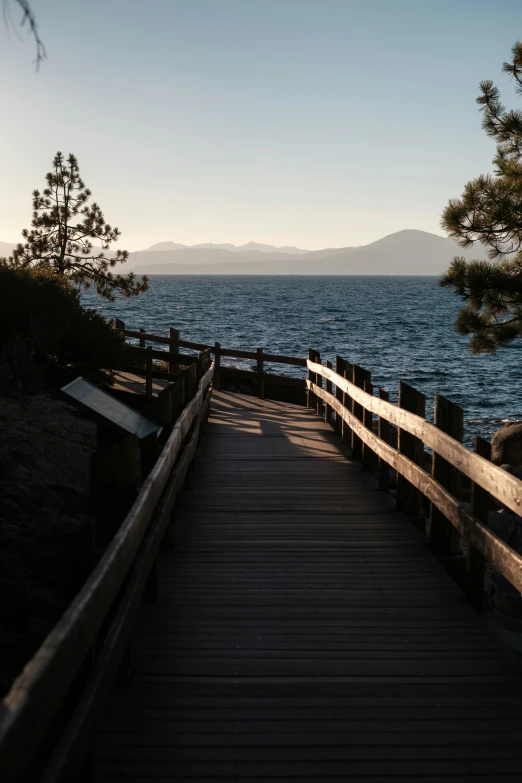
(46, 334)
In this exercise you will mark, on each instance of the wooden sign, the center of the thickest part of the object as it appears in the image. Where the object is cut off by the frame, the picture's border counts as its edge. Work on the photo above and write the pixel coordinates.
(109, 411)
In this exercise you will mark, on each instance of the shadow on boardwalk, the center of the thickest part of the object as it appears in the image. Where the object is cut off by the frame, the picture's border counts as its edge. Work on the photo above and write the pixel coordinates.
(304, 631)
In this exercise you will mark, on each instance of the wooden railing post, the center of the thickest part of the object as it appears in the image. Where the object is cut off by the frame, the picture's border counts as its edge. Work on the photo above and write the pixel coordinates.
(142, 359)
(318, 382)
(480, 506)
(383, 432)
(328, 408)
(409, 499)
(173, 348)
(368, 456)
(449, 418)
(148, 377)
(310, 396)
(339, 369)
(260, 371)
(359, 376)
(119, 324)
(217, 366)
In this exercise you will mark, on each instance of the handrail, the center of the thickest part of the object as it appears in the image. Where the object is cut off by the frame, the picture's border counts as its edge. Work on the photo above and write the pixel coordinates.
(502, 485)
(496, 551)
(69, 752)
(38, 692)
(274, 358)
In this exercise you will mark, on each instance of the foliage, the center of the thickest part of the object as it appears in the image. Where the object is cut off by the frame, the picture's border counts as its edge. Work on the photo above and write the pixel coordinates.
(28, 20)
(63, 226)
(490, 212)
(44, 327)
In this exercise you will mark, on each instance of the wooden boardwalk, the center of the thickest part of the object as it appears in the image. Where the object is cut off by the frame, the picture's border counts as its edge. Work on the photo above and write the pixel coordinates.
(304, 631)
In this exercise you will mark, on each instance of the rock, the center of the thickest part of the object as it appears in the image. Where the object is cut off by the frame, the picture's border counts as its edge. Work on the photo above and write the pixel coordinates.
(513, 470)
(506, 444)
(501, 523)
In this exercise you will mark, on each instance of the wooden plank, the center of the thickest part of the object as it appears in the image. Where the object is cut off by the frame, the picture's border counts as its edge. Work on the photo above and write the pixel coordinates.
(480, 507)
(274, 358)
(339, 423)
(383, 432)
(449, 418)
(368, 457)
(158, 338)
(312, 377)
(358, 378)
(328, 408)
(319, 381)
(409, 498)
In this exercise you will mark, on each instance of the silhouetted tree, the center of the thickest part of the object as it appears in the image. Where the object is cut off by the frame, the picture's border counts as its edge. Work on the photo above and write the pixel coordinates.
(490, 211)
(63, 226)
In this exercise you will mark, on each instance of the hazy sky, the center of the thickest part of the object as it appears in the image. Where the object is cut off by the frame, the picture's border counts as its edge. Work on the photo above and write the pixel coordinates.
(318, 123)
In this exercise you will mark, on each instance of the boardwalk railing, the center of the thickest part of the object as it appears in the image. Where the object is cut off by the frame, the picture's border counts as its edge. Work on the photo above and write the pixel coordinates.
(355, 408)
(45, 718)
(174, 342)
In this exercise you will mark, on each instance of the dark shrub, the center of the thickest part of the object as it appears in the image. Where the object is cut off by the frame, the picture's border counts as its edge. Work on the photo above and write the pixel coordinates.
(46, 334)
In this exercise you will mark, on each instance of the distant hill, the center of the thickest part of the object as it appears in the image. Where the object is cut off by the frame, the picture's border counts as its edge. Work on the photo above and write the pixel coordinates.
(408, 252)
(287, 249)
(161, 246)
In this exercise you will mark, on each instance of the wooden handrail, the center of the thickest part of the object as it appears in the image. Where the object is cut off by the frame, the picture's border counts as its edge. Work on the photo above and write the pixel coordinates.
(502, 485)
(71, 748)
(274, 358)
(37, 694)
(502, 556)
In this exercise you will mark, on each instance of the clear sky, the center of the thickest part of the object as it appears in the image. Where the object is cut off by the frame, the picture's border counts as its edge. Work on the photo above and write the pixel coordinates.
(317, 123)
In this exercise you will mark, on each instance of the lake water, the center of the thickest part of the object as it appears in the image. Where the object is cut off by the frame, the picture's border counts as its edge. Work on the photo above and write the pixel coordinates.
(396, 327)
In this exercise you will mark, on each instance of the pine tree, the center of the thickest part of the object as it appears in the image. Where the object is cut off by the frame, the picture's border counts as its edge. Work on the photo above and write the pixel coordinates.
(490, 212)
(63, 226)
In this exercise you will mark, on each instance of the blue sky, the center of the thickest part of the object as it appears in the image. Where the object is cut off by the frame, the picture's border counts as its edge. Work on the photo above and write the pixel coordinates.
(318, 123)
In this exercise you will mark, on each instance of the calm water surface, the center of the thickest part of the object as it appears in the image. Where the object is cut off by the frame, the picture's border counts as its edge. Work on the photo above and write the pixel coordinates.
(397, 327)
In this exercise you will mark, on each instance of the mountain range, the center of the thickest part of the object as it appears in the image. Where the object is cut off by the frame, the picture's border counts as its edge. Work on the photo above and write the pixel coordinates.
(286, 249)
(408, 252)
